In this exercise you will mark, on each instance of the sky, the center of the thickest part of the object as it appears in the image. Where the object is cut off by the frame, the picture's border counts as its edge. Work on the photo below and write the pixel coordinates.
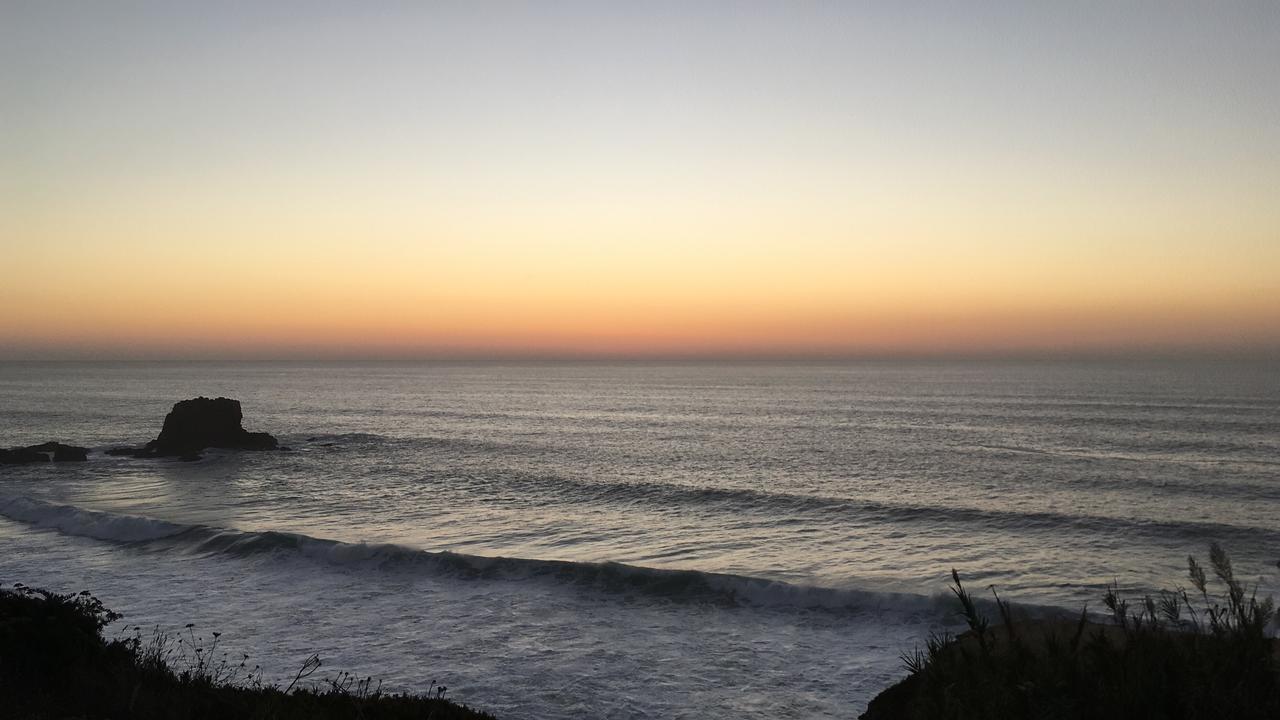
(385, 179)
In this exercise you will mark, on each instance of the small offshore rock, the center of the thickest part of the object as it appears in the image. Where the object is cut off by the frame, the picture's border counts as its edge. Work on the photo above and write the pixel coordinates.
(70, 453)
(20, 456)
(42, 452)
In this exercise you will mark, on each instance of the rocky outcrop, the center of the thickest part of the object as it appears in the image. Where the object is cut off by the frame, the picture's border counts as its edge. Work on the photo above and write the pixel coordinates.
(19, 456)
(190, 427)
(43, 453)
(207, 423)
(200, 423)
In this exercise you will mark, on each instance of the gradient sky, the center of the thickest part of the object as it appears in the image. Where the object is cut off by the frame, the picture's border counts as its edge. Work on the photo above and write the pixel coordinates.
(327, 179)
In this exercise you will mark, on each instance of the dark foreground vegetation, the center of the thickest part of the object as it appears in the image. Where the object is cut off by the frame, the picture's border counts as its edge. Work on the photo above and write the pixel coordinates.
(56, 663)
(1185, 654)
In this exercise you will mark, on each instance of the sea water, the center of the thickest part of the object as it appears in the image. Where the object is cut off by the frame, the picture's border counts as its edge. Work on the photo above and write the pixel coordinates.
(573, 540)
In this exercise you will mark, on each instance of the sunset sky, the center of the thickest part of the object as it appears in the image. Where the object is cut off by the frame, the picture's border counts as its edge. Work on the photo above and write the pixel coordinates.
(561, 178)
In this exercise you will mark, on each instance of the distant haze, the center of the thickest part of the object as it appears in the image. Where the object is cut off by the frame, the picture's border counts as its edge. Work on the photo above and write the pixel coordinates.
(638, 179)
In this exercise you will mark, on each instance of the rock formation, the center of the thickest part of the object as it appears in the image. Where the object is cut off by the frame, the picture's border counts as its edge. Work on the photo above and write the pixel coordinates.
(203, 423)
(42, 452)
(189, 428)
(199, 423)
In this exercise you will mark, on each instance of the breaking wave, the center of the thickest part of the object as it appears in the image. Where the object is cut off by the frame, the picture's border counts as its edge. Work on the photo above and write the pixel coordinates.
(668, 584)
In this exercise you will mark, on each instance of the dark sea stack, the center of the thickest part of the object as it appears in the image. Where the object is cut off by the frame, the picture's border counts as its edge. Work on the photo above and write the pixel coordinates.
(42, 453)
(199, 423)
(189, 428)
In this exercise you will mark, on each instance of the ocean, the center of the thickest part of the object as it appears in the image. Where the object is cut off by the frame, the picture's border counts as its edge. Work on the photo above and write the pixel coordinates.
(618, 540)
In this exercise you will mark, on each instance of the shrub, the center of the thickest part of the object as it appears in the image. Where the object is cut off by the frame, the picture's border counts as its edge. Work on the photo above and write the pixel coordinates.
(55, 663)
(1182, 654)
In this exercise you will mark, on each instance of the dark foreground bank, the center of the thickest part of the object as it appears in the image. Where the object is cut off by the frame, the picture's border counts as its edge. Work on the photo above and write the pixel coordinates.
(56, 663)
(1186, 654)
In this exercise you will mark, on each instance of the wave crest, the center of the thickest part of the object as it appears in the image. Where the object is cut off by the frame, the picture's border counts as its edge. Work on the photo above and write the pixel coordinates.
(666, 584)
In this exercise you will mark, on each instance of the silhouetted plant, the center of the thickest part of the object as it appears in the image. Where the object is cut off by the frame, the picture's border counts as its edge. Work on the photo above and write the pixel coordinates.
(977, 621)
(55, 662)
(1172, 655)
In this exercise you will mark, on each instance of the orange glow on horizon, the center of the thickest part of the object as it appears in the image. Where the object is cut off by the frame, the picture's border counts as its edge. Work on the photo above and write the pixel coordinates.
(408, 181)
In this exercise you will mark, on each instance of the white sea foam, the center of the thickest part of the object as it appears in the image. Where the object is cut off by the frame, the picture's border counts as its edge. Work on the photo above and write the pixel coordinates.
(667, 584)
(87, 523)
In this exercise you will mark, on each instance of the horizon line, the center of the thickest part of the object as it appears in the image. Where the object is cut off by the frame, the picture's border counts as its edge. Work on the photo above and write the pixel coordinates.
(1259, 354)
